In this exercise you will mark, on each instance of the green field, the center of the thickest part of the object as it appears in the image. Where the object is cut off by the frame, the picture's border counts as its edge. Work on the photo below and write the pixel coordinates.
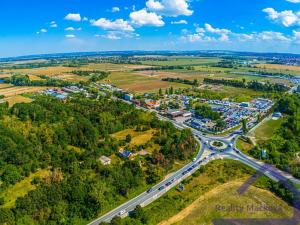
(267, 130)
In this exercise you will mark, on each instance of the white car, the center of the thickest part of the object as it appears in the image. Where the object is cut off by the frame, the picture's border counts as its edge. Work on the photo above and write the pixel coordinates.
(121, 213)
(194, 160)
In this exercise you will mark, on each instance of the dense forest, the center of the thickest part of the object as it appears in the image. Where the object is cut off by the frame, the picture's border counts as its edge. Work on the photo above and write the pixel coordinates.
(44, 134)
(284, 147)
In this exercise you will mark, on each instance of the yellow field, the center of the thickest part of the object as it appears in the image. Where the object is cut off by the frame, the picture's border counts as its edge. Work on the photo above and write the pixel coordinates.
(113, 67)
(208, 206)
(2, 86)
(279, 67)
(17, 99)
(20, 189)
(138, 138)
(11, 91)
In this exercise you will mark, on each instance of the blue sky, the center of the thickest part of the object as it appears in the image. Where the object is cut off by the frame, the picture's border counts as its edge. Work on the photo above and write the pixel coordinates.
(51, 26)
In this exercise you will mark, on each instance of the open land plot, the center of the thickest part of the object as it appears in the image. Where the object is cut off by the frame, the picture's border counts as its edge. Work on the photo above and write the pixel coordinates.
(279, 67)
(181, 61)
(205, 208)
(266, 130)
(11, 91)
(20, 189)
(138, 137)
(237, 94)
(138, 83)
(17, 99)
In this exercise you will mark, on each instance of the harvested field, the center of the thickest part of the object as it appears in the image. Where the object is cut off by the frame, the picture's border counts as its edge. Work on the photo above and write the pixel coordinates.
(11, 91)
(279, 67)
(17, 99)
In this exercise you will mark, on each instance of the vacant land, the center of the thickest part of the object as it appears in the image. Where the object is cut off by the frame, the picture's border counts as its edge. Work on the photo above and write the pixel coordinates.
(207, 207)
(11, 91)
(139, 83)
(266, 130)
(138, 137)
(243, 145)
(17, 99)
(20, 189)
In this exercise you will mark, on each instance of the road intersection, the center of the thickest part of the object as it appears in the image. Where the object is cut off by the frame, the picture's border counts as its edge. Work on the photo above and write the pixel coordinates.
(206, 153)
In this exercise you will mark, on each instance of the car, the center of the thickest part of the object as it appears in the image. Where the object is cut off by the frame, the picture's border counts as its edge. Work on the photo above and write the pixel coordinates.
(194, 160)
(149, 190)
(169, 183)
(122, 212)
(190, 169)
(161, 188)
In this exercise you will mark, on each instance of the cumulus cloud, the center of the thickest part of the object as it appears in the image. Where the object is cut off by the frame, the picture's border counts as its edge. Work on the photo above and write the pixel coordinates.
(179, 22)
(70, 36)
(115, 9)
(53, 24)
(73, 17)
(69, 29)
(171, 8)
(118, 24)
(272, 36)
(144, 18)
(287, 18)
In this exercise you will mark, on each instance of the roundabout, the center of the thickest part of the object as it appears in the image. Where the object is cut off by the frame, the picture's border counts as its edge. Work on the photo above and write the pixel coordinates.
(218, 145)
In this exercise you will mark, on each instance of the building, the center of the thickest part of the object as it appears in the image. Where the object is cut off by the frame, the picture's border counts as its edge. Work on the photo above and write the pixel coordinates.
(128, 97)
(176, 113)
(152, 103)
(125, 153)
(105, 160)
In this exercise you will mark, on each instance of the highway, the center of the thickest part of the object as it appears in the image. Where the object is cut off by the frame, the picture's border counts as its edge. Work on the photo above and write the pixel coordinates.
(205, 142)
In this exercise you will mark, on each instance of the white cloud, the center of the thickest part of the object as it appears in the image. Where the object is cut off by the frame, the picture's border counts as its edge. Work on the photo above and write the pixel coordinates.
(211, 29)
(118, 24)
(69, 29)
(179, 22)
(294, 1)
(112, 36)
(43, 30)
(144, 18)
(85, 19)
(172, 8)
(53, 24)
(115, 9)
(70, 36)
(296, 36)
(272, 36)
(287, 18)
(73, 17)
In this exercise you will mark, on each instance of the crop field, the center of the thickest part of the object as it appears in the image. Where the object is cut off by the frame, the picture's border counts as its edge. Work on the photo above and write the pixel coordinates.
(48, 71)
(205, 208)
(139, 83)
(11, 91)
(17, 99)
(181, 61)
(113, 67)
(279, 67)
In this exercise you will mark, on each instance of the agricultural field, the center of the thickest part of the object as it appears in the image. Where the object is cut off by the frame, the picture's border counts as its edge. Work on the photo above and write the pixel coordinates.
(21, 188)
(110, 67)
(17, 99)
(14, 90)
(181, 61)
(283, 68)
(139, 83)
